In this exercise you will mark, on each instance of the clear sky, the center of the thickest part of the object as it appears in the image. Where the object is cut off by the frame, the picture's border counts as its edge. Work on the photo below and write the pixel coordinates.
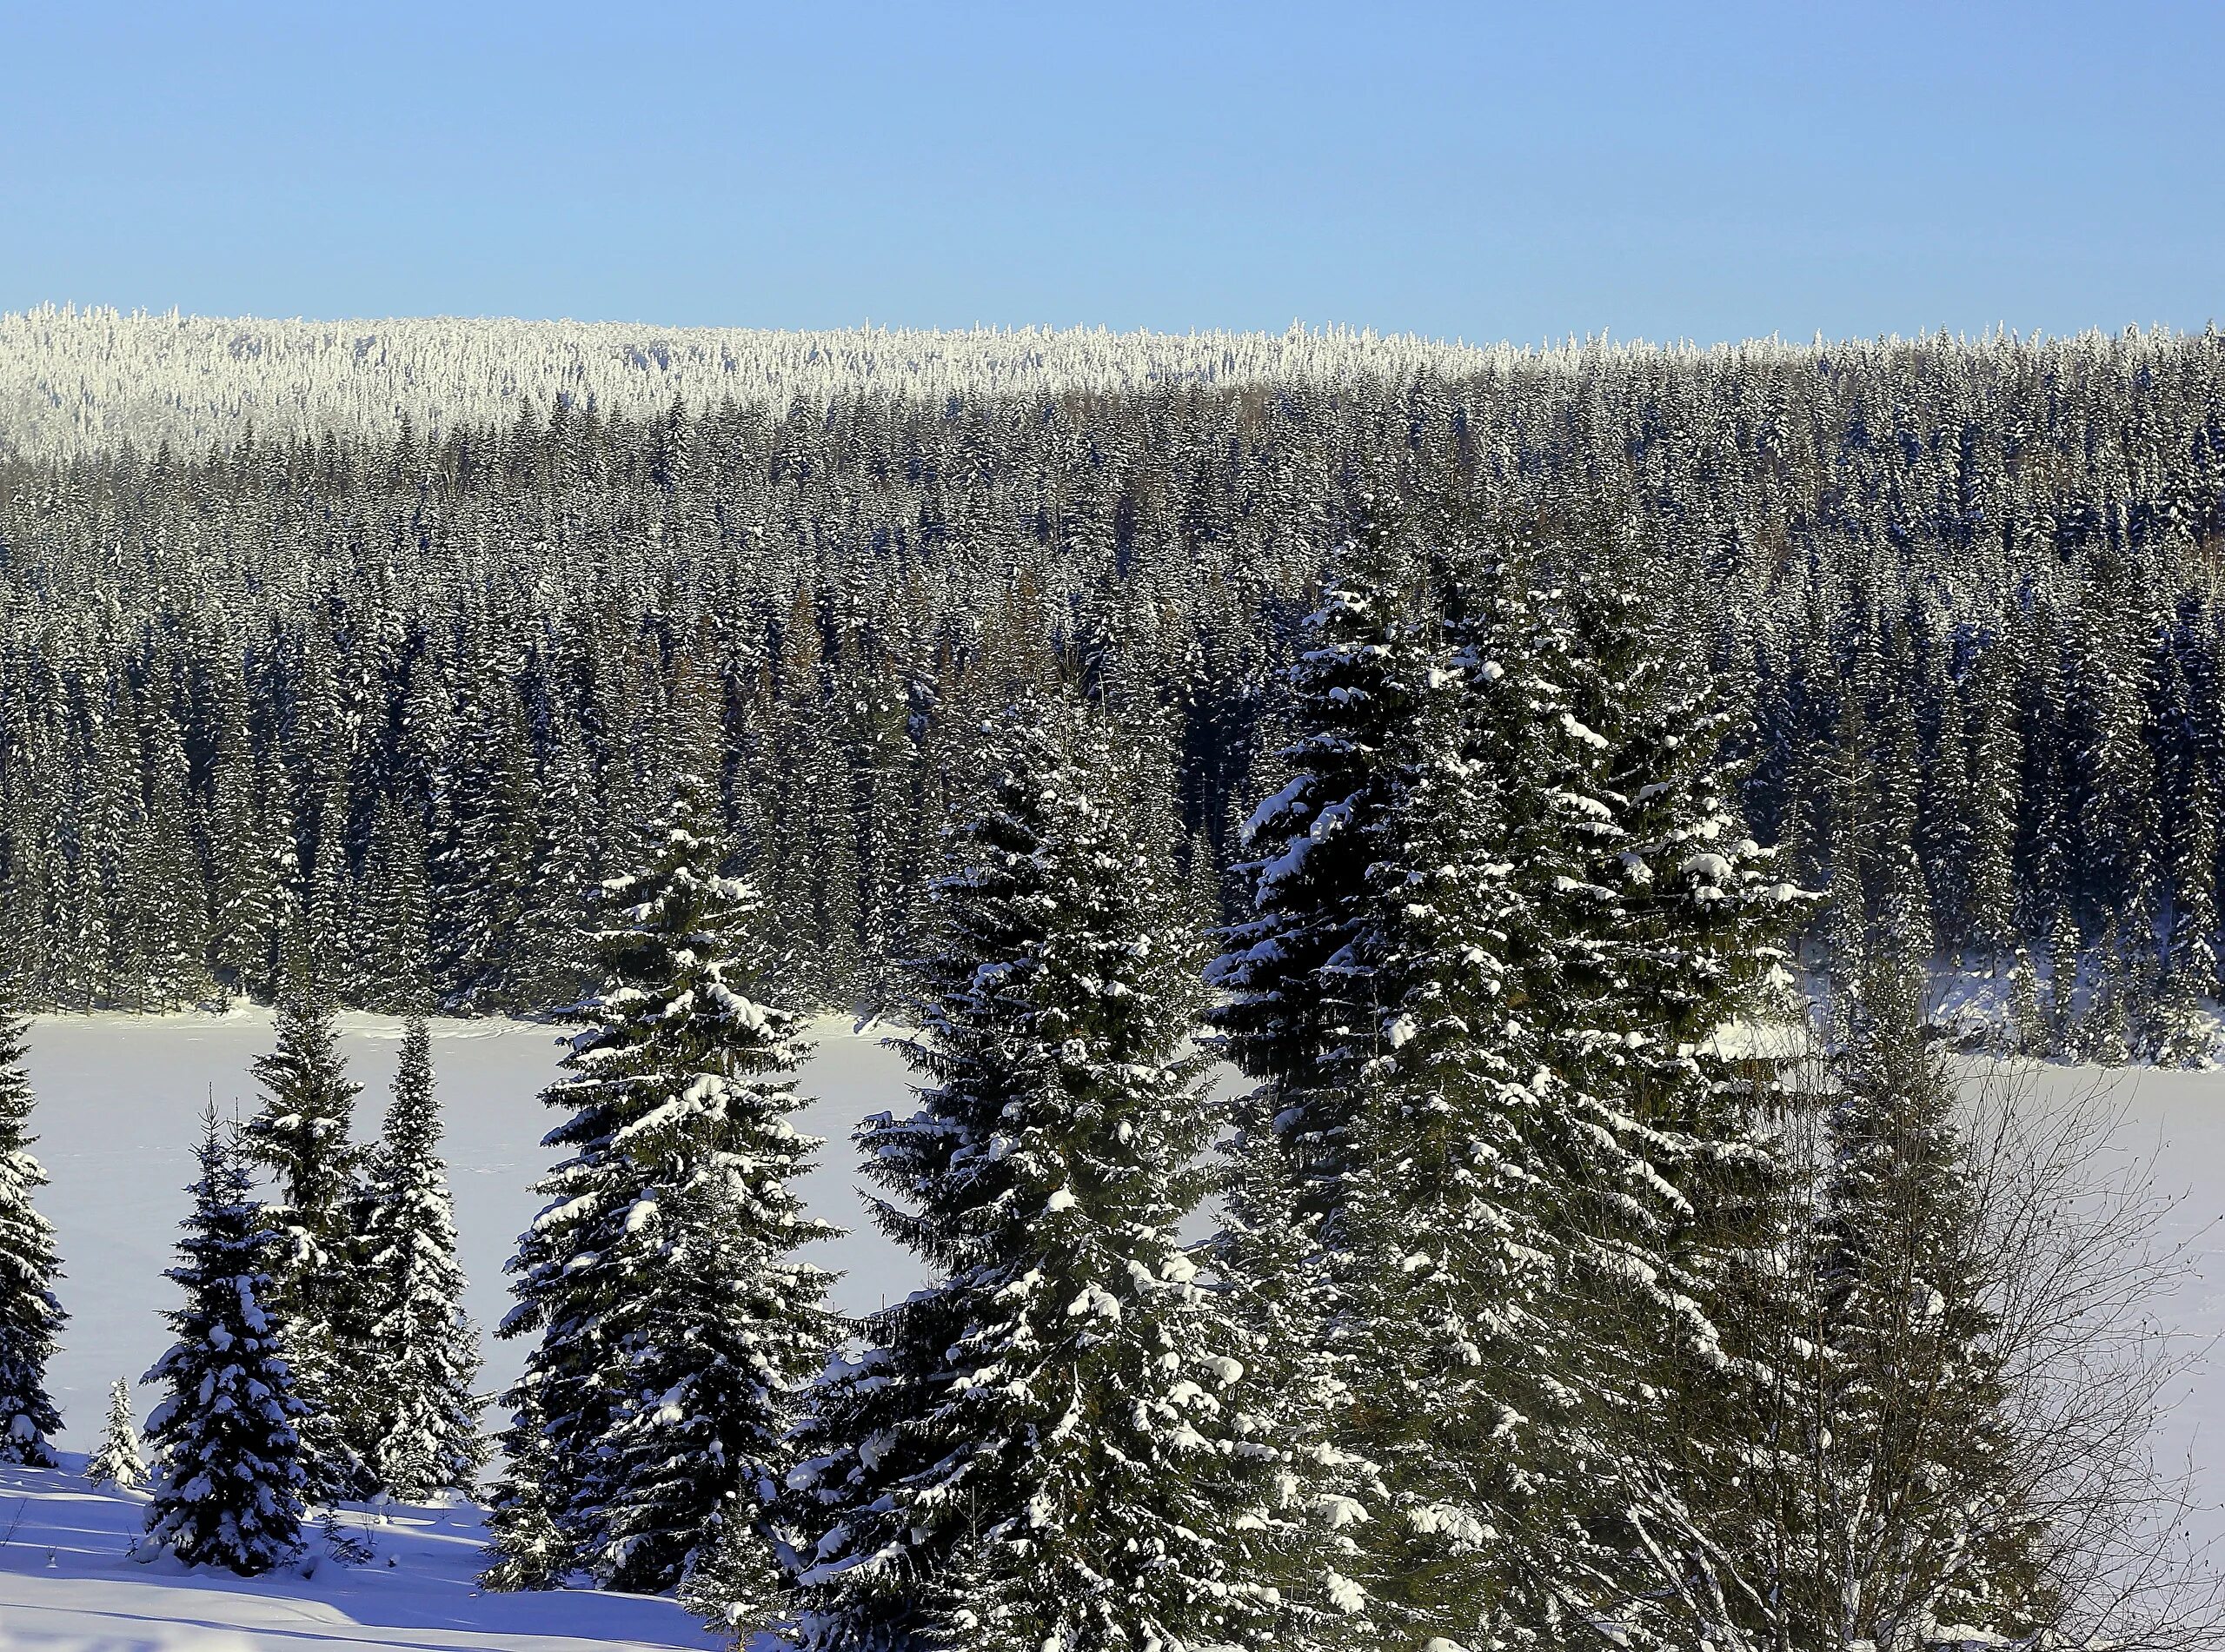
(1522, 172)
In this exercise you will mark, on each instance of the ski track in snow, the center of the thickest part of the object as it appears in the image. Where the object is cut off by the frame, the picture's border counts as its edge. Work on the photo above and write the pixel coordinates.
(118, 1098)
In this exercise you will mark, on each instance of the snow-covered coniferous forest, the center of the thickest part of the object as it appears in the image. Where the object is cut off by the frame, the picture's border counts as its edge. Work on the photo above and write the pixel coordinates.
(1463, 926)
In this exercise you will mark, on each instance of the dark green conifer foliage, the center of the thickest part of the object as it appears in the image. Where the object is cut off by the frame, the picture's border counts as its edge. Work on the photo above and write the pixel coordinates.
(301, 1135)
(1921, 1493)
(1660, 923)
(663, 1265)
(30, 1317)
(1054, 1445)
(229, 1480)
(421, 1418)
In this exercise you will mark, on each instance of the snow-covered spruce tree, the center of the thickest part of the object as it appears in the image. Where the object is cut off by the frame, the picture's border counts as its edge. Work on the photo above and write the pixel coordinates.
(1292, 998)
(30, 1316)
(387, 941)
(1296, 1012)
(1660, 922)
(1912, 1523)
(1488, 1206)
(2026, 1033)
(1049, 1448)
(526, 1550)
(118, 1462)
(2183, 1038)
(674, 1323)
(228, 1479)
(301, 1134)
(2066, 1016)
(690, 1473)
(423, 1420)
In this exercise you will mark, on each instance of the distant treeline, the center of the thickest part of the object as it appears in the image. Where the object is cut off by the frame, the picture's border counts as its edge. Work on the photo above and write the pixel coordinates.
(397, 705)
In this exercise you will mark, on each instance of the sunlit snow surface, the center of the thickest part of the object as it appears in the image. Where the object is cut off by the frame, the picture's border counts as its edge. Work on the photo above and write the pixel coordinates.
(118, 1097)
(68, 1583)
(118, 1100)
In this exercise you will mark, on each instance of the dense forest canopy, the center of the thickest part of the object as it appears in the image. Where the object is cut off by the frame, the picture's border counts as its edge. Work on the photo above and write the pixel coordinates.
(390, 695)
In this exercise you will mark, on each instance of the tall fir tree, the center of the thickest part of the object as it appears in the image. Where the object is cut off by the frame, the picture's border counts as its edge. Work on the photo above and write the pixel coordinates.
(30, 1317)
(664, 1264)
(1295, 1012)
(422, 1418)
(1050, 1446)
(1919, 1500)
(301, 1134)
(229, 1479)
(1658, 923)
(1486, 1212)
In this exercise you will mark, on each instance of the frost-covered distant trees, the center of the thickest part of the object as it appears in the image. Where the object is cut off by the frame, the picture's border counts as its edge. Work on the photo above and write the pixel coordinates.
(1055, 1445)
(183, 381)
(30, 1317)
(117, 1461)
(672, 1321)
(426, 693)
(422, 1415)
(228, 1479)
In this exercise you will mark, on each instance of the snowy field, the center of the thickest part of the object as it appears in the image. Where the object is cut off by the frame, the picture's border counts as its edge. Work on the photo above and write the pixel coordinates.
(118, 1098)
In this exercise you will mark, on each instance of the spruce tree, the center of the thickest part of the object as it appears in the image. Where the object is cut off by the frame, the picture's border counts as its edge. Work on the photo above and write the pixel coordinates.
(2027, 1031)
(422, 1417)
(526, 1550)
(688, 1480)
(1487, 1199)
(1659, 922)
(388, 940)
(118, 1461)
(1295, 1012)
(2066, 1017)
(229, 1479)
(2191, 976)
(301, 1134)
(1050, 1446)
(1920, 1513)
(30, 1317)
(664, 1263)
(1291, 996)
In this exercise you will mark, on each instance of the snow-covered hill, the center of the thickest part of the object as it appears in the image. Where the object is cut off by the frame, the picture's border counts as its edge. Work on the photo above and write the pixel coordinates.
(73, 380)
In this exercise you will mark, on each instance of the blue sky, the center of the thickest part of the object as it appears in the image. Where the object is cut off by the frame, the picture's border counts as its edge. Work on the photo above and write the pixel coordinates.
(1491, 172)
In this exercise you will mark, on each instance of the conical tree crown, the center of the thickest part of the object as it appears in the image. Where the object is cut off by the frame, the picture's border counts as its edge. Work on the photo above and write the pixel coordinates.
(30, 1317)
(1041, 1449)
(422, 1434)
(118, 1462)
(229, 1477)
(677, 1087)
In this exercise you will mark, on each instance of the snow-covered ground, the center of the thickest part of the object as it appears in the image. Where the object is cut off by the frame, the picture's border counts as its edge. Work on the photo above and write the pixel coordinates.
(69, 1583)
(118, 1097)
